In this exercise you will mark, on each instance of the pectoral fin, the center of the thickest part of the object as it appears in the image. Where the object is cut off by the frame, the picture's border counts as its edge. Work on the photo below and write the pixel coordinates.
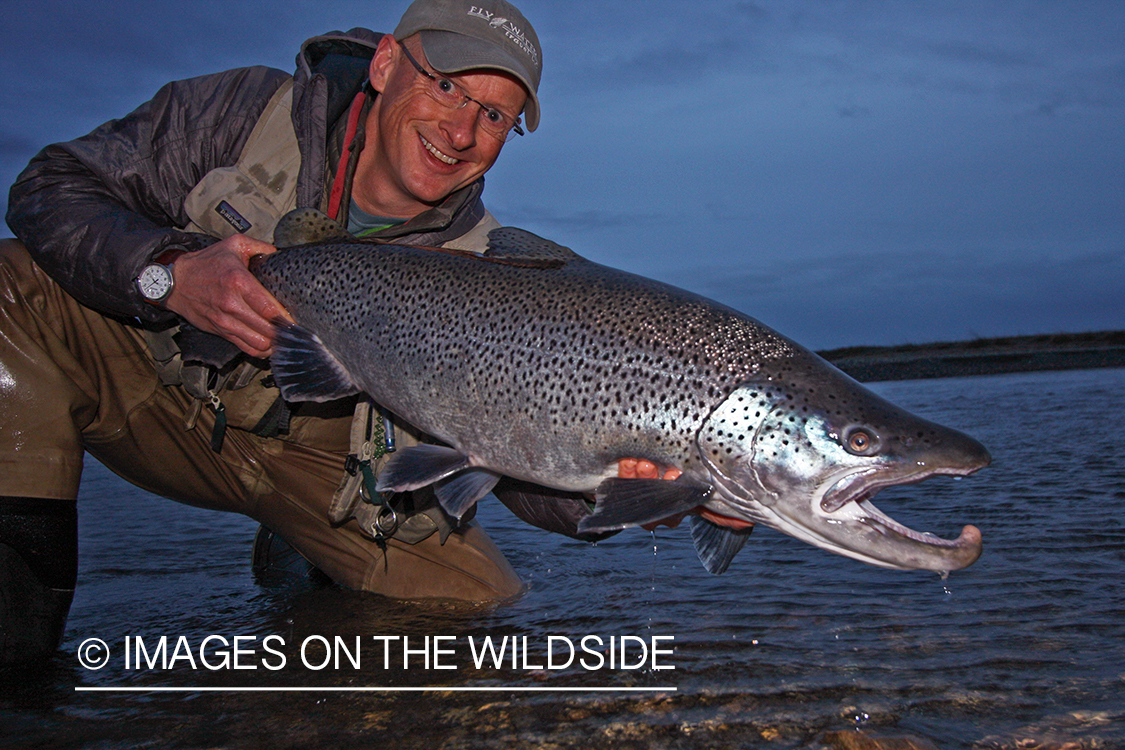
(546, 508)
(305, 370)
(633, 502)
(716, 545)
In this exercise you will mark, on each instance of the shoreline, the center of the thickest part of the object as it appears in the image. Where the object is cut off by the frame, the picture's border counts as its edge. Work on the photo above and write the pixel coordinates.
(986, 356)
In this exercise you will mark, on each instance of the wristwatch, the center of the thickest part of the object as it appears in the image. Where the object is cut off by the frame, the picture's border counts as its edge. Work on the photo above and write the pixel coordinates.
(155, 282)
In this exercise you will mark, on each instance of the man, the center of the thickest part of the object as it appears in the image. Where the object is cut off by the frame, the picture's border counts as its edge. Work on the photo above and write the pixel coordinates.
(149, 222)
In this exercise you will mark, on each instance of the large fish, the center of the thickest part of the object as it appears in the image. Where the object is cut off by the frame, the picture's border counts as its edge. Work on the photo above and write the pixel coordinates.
(533, 363)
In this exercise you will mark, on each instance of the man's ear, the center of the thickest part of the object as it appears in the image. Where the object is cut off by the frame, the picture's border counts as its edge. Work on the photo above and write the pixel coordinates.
(382, 64)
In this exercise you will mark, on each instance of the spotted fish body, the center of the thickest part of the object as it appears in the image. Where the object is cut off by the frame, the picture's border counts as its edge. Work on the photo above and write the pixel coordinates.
(534, 363)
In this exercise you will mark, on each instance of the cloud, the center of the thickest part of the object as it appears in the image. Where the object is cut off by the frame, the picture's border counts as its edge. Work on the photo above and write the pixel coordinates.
(883, 298)
(665, 44)
(17, 146)
(853, 111)
(925, 160)
(573, 220)
(986, 54)
(753, 11)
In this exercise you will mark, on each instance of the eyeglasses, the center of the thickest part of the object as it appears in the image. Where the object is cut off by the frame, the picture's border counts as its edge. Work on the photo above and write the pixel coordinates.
(448, 94)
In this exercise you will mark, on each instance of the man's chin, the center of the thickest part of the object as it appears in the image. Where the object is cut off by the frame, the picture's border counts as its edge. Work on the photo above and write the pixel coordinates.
(433, 192)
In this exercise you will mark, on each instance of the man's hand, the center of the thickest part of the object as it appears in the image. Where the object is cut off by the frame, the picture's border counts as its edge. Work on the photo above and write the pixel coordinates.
(216, 293)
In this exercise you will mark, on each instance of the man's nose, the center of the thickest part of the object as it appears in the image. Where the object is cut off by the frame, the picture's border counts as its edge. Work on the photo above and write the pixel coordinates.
(460, 126)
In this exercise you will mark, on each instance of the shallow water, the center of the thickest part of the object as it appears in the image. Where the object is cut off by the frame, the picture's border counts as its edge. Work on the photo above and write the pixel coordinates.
(791, 646)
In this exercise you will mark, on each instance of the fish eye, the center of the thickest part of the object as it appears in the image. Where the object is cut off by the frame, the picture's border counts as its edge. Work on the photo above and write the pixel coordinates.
(859, 441)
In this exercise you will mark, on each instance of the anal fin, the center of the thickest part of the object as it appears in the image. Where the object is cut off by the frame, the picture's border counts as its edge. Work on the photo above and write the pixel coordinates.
(716, 545)
(459, 493)
(419, 466)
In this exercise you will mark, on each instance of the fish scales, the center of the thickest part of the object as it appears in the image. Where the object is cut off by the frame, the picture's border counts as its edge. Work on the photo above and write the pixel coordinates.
(534, 363)
(582, 356)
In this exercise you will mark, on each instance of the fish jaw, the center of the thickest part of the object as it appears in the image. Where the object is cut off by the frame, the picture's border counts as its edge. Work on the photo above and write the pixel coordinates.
(856, 529)
(780, 458)
(841, 513)
(850, 522)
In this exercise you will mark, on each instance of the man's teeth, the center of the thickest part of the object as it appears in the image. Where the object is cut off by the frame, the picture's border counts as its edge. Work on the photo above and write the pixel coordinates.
(430, 147)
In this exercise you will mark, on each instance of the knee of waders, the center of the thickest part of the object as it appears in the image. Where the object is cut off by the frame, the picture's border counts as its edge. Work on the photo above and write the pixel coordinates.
(276, 564)
(38, 570)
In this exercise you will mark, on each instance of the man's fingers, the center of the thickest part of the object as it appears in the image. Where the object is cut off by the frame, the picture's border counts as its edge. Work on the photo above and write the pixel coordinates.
(671, 522)
(259, 301)
(215, 292)
(261, 304)
(640, 468)
(627, 468)
(255, 337)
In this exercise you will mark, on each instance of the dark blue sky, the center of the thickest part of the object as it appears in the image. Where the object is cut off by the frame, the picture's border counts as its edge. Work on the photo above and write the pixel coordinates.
(847, 172)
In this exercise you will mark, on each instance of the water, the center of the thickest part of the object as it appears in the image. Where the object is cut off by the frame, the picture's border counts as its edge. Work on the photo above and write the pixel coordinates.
(791, 646)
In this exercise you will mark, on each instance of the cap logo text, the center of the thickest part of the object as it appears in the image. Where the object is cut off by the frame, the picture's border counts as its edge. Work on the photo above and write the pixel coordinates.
(511, 31)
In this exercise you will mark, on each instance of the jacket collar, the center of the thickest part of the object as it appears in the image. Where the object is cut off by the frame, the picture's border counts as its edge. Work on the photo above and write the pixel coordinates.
(341, 61)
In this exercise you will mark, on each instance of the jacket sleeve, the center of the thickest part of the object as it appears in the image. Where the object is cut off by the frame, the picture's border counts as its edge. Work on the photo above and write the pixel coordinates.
(94, 211)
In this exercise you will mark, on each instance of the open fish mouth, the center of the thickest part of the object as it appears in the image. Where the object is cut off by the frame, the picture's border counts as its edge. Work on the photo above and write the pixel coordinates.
(848, 502)
(887, 526)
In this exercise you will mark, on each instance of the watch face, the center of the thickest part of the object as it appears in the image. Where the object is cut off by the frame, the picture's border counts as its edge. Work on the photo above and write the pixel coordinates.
(155, 282)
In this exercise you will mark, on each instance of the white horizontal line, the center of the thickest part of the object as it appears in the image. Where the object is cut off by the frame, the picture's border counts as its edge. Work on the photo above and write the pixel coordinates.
(294, 689)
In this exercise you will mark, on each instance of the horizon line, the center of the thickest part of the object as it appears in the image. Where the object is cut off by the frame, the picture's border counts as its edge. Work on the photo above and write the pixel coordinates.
(293, 688)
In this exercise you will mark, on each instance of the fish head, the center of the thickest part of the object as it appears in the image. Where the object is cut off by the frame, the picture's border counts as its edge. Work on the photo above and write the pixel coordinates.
(805, 449)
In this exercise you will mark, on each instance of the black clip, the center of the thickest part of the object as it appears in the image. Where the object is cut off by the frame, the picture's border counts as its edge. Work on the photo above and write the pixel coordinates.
(219, 432)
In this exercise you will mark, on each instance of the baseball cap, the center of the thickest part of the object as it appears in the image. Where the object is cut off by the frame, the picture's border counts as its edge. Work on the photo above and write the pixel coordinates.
(458, 36)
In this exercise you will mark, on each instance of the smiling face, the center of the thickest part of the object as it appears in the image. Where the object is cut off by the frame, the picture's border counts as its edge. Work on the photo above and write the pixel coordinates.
(419, 151)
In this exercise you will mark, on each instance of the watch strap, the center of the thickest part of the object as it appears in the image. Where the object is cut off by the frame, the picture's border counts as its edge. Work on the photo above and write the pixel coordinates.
(169, 255)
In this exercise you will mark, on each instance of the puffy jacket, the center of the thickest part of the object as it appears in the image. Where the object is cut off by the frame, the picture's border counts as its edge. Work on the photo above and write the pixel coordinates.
(94, 211)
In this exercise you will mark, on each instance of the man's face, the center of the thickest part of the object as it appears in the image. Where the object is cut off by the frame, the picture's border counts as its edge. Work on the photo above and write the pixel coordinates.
(419, 151)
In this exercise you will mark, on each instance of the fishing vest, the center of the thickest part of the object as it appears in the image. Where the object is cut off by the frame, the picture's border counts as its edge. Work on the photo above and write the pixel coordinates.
(249, 198)
(260, 188)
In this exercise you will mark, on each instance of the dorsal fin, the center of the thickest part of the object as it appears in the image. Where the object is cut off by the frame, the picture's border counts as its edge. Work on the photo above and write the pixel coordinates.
(518, 247)
(303, 226)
